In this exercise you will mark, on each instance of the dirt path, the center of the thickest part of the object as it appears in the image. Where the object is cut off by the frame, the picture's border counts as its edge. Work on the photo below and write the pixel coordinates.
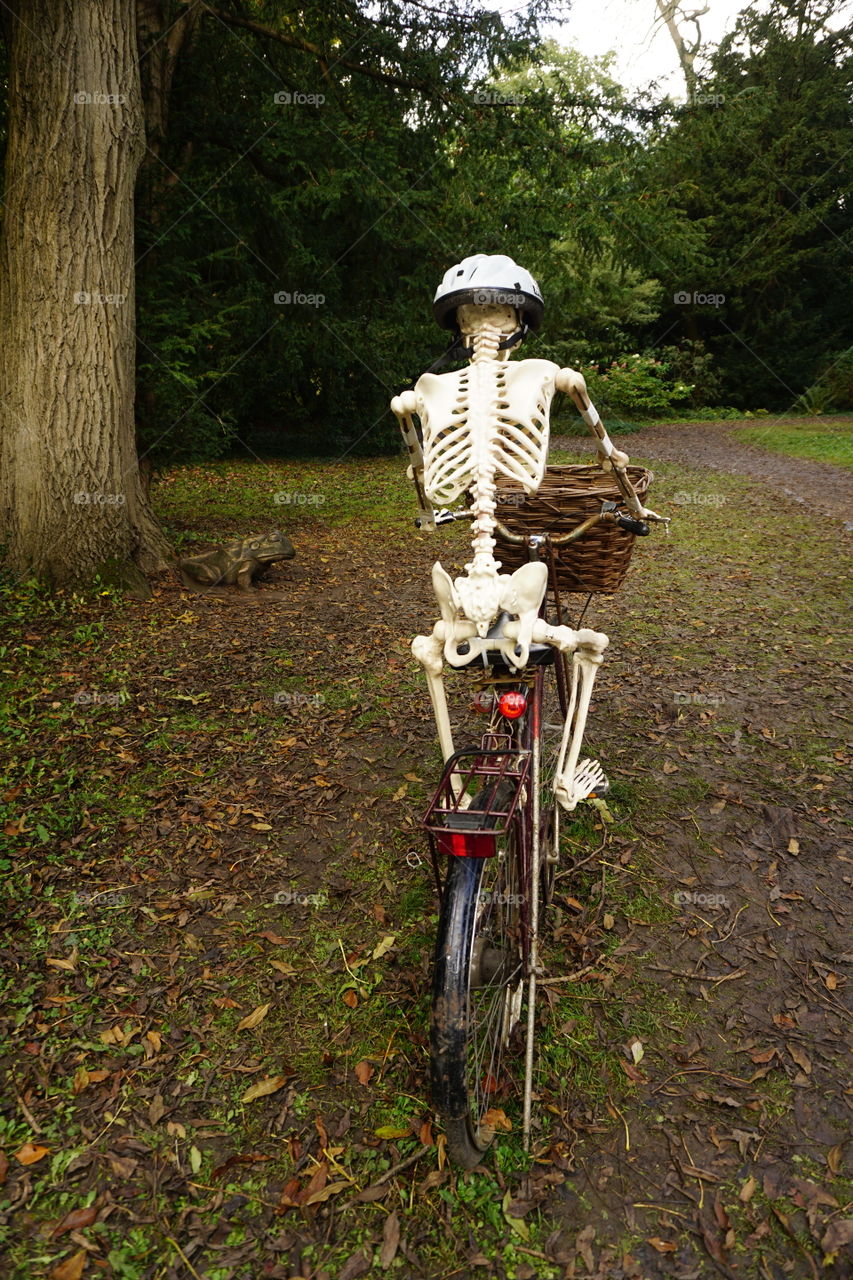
(715, 445)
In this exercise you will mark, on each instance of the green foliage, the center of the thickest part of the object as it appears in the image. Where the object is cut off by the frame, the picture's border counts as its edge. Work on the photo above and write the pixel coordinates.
(692, 363)
(285, 276)
(288, 250)
(637, 384)
(833, 389)
(760, 159)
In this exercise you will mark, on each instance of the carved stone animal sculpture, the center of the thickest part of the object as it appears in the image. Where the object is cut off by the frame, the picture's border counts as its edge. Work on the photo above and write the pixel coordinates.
(240, 561)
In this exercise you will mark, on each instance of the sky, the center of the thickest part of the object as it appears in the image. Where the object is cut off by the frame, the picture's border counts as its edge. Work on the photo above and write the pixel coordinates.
(644, 48)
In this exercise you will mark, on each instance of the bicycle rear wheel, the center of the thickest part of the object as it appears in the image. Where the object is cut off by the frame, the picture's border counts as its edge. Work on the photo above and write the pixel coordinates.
(477, 995)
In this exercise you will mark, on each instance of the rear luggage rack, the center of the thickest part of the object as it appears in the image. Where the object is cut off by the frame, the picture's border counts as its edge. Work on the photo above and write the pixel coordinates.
(476, 800)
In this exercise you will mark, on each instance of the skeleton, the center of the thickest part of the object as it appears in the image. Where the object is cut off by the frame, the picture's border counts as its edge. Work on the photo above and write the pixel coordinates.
(479, 424)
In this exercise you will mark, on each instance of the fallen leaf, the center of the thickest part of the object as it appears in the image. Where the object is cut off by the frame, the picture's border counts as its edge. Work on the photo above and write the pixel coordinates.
(30, 1153)
(662, 1246)
(252, 1019)
(333, 1189)
(833, 1158)
(434, 1178)
(497, 1120)
(357, 1265)
(275, 937)
(384, 946)
(400, 792)
(831, 981)
(801, 1058)
(76, 1220)
(793, 845)
(747, 1190)
(371, 1194)
(637, 1050)
(80, 1081)
(518, 1225)
(262, 1088)
(583, 1246)
(283, 967)
(601, 806)
(390, 1240)
(253, 1157)
(195, 1159)
(670, 767)
(363, 1071)
(350, 998)
(4, 1167)
(609, 921)
(388, 1131)
(839, 1234)
(156, 1109)
(72, 1268)
(315, 1184)
(69, 965)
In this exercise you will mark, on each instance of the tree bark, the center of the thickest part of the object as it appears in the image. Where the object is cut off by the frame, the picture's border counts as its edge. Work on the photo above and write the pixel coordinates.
(71, 500)
(669, 11)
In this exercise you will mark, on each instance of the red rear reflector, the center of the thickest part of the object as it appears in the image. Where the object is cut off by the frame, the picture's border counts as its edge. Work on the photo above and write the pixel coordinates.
(466, 844)
(512, 705)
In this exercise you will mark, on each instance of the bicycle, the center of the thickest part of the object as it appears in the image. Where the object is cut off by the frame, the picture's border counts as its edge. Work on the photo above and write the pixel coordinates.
(493, 828)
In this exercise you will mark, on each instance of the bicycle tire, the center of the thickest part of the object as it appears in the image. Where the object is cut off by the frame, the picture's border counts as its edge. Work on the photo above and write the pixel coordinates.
(476, 997)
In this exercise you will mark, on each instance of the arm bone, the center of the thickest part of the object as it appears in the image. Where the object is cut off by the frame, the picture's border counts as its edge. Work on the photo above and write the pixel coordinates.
(403, 406)
(610, 458)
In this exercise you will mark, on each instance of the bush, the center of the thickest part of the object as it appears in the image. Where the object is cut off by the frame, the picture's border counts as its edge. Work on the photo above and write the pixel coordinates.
(691, 362)
(832, 392)
(641, 385)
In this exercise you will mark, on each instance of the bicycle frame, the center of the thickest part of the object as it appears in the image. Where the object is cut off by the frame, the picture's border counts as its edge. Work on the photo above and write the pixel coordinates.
(455, 829)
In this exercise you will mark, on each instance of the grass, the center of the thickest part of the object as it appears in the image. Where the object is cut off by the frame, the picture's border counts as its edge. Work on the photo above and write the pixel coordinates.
(829, 441)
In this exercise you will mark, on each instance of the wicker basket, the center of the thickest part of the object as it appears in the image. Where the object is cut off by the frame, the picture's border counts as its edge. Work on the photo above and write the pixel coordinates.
(568, 494)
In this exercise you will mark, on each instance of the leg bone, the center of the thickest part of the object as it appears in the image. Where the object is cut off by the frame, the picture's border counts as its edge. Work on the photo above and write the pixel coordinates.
(572, 783)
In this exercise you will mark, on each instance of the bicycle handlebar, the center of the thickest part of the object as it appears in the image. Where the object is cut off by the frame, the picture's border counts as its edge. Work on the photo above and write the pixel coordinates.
(609, 514)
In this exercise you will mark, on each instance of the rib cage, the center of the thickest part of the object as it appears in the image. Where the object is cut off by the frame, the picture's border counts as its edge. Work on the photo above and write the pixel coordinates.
(487, 420)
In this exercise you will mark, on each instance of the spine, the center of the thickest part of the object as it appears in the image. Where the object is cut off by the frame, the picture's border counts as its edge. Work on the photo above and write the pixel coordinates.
(486, 392)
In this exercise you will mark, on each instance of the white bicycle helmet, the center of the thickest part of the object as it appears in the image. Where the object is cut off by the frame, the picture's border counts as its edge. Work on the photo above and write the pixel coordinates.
(488, 278)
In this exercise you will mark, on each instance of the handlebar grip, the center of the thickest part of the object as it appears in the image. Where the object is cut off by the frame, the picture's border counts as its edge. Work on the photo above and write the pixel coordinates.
(639, 527)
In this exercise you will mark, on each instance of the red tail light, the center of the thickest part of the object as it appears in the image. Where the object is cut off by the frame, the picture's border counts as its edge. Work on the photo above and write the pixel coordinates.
(512, 705)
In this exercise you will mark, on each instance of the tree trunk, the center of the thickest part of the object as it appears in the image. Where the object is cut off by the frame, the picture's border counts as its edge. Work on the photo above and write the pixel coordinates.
(670, 10)
(71, 501)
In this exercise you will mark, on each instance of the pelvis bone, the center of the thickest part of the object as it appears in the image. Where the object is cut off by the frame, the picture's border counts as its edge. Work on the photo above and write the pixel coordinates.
(479, 599)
